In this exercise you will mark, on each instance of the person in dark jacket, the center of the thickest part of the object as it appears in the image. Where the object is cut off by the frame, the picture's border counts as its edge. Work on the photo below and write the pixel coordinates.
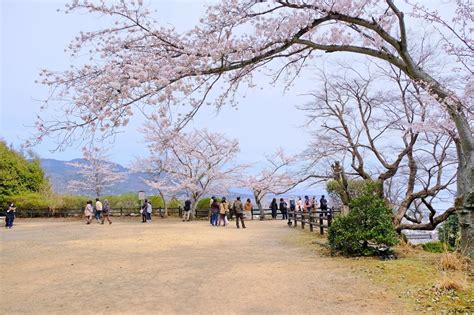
(283, 209)
(274, 208)
(143, 210)
(187, 210)
(10, 215)
(323, 204)
(106, 212)
(239, 212)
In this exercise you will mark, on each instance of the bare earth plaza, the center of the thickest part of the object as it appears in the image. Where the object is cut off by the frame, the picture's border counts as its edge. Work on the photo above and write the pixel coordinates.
(236, 157)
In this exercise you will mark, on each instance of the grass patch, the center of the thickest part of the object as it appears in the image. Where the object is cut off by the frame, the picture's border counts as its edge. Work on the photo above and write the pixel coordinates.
(424, 281)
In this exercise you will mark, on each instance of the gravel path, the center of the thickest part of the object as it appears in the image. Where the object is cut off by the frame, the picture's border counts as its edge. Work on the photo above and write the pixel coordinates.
(67, 267)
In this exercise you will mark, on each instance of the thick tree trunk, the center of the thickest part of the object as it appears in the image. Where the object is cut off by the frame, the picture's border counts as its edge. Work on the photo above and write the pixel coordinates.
(465, 151)
(258, 201)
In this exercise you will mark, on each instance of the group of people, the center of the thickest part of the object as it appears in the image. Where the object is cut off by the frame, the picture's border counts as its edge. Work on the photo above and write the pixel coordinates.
(307, 205)
(101, 211)
(221, 211)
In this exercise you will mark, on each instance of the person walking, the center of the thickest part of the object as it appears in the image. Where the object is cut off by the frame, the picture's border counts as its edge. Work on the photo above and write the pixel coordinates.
(223, 211)
(143, 210)
(239, 212)
(98, 210)
(88, 212)
(10, 215)
(274, 208)
(106, 212)
(283, 209)
(248, 209)
(214, 211)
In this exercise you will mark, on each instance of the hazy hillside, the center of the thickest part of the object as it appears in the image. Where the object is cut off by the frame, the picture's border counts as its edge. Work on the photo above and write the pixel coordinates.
(60, 172)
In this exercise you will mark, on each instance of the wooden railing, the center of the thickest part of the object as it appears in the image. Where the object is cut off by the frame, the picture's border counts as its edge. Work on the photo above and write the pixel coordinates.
(315, 218)
(78, 212)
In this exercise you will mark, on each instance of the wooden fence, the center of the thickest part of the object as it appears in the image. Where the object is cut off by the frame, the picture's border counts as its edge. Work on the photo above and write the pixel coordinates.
(318, 218)
(78, 212)
(173, 212)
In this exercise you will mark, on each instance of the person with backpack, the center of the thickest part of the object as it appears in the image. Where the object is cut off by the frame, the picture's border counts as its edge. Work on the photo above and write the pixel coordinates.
(283, 209)
(239, 212)
(106, 212)
(187, 210)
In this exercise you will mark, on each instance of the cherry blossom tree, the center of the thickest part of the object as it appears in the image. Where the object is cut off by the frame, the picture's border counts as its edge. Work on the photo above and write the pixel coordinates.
(157, 179)
(375, 123)
(276, 177)
(197, 162)
(96, 173)
(137, 60)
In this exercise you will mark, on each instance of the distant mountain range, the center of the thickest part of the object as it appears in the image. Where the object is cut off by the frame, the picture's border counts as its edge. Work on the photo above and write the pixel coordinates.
(61, 172)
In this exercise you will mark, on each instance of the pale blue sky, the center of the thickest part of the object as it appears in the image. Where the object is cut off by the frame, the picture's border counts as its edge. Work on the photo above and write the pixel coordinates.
(34, 35)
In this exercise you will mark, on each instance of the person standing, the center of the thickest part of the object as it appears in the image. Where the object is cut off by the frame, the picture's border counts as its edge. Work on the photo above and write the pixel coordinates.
(106, 212)
(299, 205)
(89, 212)
(187, 210)
(314, 204)
(283, 209)
(149, 210)
(98, 210)
(248, 209)
(323, 203)
(307, 204)
(223, 211)
(10, 215)
(274, 208)
(143, 210)
(214, 211)
(239, 212)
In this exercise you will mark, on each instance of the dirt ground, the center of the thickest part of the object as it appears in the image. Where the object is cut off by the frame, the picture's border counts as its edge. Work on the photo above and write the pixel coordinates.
(53, 266)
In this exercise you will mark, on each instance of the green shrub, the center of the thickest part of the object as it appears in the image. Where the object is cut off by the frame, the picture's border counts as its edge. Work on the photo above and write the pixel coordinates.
(449, 231)
(32, 200)
(367, 226)
(434, 247)
(18, 175)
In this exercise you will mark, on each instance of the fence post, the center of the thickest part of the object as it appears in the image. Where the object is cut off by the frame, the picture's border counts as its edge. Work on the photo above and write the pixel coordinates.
(321, 228)
(296, 218)
(121, 211)
(311, 220)
(302, 220)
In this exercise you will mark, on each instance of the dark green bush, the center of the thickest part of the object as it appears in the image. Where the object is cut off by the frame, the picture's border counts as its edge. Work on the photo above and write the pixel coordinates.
(449, 231)
(367, 227)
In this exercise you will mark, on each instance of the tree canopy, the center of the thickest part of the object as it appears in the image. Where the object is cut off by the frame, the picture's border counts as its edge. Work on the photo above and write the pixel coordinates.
(18, 175)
